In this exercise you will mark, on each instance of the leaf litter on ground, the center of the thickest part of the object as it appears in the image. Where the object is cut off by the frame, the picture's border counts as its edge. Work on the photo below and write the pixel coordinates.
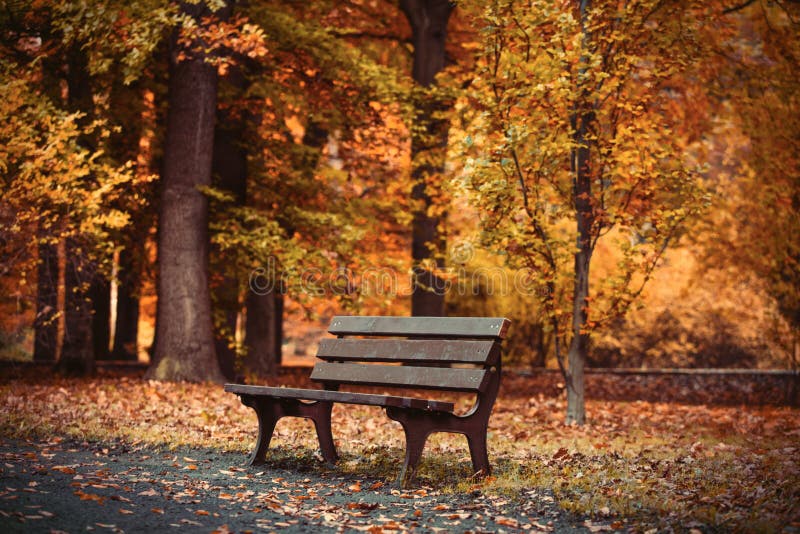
(651, 464)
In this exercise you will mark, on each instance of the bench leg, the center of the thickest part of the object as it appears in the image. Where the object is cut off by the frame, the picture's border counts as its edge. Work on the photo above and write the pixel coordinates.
(416, 428)
(269, 411)
(322, 423)
(419, 425)
(268, 415)
(478, 452)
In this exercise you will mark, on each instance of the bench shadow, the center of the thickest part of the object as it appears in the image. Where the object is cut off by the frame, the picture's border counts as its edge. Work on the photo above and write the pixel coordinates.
(438, 470)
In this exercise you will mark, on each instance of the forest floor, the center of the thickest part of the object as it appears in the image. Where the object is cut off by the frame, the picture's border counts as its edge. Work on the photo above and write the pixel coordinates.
(72, 486)
(119, 452)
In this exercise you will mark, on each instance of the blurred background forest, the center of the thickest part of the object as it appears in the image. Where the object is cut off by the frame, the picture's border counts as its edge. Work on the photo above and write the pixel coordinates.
(279, 162)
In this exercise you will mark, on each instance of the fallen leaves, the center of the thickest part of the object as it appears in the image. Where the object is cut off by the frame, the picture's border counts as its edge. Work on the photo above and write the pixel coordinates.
(64, 469)
(99, 499)
(644, 460)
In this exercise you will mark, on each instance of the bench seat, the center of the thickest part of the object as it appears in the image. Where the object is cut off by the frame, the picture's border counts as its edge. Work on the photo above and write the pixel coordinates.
(343, 397)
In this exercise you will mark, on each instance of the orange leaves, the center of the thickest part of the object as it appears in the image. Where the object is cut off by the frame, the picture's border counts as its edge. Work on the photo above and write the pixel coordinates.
(737, 460)
(64, 469)
(219, 42)
(99, 499)
(561, 453)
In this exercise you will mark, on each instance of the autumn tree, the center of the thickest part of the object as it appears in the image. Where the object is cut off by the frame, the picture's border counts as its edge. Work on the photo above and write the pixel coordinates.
(570, 147)
(755, 88)
(184, 333)
(428, 20)
(134, 124)
(70, 47)
(309, 96)
(44, 170)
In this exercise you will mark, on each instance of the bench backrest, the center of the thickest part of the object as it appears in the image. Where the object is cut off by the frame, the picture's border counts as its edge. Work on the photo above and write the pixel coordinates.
(422, 344)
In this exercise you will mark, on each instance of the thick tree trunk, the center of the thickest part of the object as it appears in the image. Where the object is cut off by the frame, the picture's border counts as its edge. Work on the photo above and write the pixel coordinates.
(428, 20)
(45, 341)
(185, 348)
(264, 332)
(126, 326)
(77, 354)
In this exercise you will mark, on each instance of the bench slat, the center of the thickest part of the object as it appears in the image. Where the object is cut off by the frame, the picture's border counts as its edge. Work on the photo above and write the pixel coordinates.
(422, 351)
(343, 397)
(468, 327)
(405, 376)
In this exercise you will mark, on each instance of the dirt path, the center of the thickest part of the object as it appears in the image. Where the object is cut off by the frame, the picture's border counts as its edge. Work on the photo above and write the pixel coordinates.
(78, 487)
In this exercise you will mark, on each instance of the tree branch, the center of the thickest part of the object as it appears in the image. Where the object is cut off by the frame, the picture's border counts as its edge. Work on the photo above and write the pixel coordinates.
(737, 7)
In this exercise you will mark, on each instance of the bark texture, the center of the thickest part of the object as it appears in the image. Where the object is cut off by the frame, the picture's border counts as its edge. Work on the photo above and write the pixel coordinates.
(583, 120)
(428, 20)
(264, 332)
(45, 341)
(185, 348)
(77, 352)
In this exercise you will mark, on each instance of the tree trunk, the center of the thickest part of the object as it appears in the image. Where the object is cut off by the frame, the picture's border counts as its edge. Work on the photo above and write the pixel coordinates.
(100, 295)
(46, 321)
(538, 339)
(77, 354)
(184, 329)
(129, 109)
(45, 341)
(229, 168)
(77, 349)
(264, 331)
(224, 334)
(264, 324)
(582, 120)
(428, 20)
(576, 357)
(126, 326)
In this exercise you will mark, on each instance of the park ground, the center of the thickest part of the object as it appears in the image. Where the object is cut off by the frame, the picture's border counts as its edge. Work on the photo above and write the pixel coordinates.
(118, 453)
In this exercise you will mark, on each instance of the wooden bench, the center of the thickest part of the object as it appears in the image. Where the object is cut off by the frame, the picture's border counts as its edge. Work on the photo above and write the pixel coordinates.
(425, 347)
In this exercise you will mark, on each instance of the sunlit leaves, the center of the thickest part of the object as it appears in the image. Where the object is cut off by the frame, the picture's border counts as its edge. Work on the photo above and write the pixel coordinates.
(114, 34)
(220, 42)
(545, 68)
(54, 187)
